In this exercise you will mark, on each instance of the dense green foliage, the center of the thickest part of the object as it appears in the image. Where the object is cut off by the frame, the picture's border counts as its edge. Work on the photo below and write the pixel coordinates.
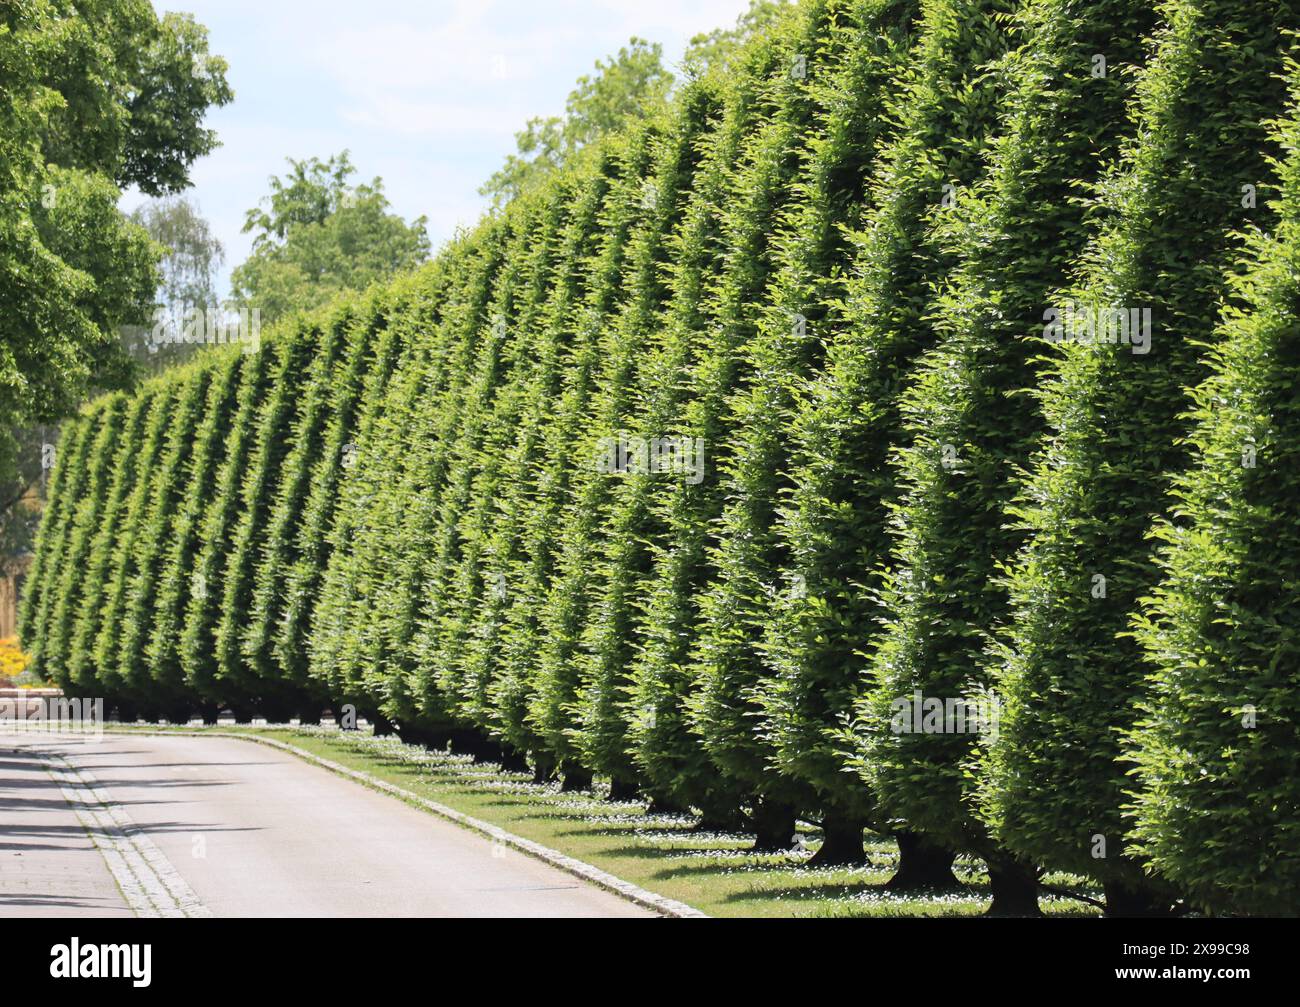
(1069, 674)
(177, 582)
(1215, 780)
(1004, 244)
(98, 95)
(945, 106)
(685, 465)
(187, 285)
(49, 612)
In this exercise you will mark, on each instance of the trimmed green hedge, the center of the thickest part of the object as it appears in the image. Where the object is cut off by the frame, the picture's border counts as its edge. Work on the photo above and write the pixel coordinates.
(1215, 792)
(67, 487)
(805, 624)
(470, 503)
(176, 582)
(1069, 672)
(960, 430)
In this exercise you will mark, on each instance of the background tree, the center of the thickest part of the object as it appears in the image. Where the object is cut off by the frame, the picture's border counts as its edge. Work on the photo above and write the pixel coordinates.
(716, 49)
(31, 455)
(631, 83)
(316, 236)
(98, 95)
(188, 274)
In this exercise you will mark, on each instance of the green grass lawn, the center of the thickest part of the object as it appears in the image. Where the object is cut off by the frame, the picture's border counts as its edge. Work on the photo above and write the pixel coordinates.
(712, 871)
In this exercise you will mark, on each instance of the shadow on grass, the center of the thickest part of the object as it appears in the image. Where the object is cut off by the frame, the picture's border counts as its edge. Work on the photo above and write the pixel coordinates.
(666, 851)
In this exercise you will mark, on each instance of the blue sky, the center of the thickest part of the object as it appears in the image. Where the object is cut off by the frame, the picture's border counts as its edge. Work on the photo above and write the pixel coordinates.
(427, 95)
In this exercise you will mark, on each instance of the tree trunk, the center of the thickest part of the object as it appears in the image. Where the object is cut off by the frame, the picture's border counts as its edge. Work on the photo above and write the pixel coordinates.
(575, 778)
(1014, 885)
(841, 841)
(621, 789)
(1136, 901)
(310, 714)
(921, 865)
(722, 816)
(543, 771)
(513, 760)
(210, 713)
(665, 804)
(773, 827)
(382, 725)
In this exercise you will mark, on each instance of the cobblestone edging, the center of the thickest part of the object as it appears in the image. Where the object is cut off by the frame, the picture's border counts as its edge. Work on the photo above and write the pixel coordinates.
(570, 865)
(149, 883)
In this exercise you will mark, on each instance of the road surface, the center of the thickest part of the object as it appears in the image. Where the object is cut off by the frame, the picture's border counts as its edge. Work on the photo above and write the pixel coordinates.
(187, 826)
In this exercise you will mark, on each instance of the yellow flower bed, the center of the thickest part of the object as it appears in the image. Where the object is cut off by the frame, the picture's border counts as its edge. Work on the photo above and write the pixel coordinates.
(13, 662)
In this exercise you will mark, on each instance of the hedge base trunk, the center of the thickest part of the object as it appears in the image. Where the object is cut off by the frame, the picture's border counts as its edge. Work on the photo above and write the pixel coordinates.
(382, 725)
(1135, 901)
(543, 771)
(1014, 885)
(922, 864)
(841, 842)
(484, 749)
(722, 818)
(512, 760)
(575, 778)
(210, 713)
(621, 789)
(310, 715)
(661, 805)
(275, 712)
(774, 827)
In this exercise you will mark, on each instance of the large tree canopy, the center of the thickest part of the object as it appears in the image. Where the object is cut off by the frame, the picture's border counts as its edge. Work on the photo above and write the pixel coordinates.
(97, 95)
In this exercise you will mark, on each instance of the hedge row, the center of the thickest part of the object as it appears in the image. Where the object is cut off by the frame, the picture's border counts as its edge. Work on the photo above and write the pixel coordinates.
(694, 467)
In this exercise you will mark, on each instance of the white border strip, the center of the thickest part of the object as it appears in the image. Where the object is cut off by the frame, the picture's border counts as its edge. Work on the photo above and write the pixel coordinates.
(578, 868)
(148, 881)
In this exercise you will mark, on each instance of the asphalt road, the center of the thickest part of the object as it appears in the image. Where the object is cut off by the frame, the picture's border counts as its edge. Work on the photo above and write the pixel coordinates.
(186, 826)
